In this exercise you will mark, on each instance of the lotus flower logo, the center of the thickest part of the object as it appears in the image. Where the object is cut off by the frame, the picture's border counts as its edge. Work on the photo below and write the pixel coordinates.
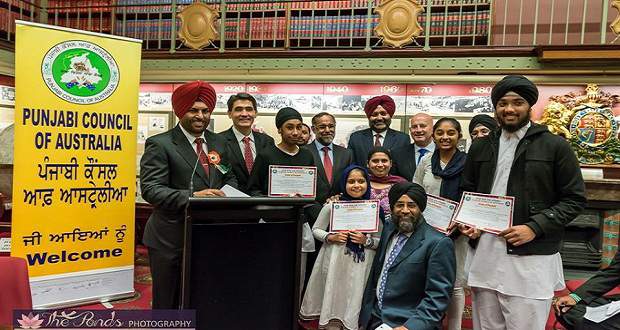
(30, 321)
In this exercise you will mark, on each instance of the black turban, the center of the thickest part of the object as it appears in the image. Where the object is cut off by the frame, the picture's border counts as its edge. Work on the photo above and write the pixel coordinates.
(518, 84)
(285, 114)
(486, 121)
(413, 190)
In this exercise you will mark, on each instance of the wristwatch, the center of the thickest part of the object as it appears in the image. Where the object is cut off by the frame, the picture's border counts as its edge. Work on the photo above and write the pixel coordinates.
(369, 241)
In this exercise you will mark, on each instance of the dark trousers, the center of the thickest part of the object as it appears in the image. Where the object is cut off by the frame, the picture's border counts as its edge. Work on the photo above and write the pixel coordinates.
(573, 319)
(166, 275)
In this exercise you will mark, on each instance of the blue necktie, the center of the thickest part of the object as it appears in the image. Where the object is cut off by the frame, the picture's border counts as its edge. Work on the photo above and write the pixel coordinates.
(422, 152)
(400, 242)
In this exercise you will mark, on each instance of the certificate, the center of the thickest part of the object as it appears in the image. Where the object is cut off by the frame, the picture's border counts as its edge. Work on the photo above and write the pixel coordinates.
(287, 181)
(489, 213)
(439, 212)
(360, 216)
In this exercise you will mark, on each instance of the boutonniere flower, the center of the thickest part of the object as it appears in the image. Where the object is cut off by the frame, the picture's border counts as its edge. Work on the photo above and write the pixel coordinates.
(215, 159)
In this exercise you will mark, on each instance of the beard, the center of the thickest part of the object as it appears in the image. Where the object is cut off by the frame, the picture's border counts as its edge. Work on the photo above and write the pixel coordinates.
(406, 223)
(511, 128)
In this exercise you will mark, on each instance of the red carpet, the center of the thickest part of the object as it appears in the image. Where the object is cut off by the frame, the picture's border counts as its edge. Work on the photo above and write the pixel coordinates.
(142, 297)
(467, 323)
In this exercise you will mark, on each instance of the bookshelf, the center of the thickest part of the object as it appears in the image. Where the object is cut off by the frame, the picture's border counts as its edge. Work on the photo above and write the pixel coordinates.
(276, 24)
(90, 15)
(11, 10)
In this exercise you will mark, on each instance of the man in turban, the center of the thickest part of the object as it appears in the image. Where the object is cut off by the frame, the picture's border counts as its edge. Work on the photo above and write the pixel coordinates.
(541, 172)
(413, 273)
(187, 160)
(481, 125)
(379, 111)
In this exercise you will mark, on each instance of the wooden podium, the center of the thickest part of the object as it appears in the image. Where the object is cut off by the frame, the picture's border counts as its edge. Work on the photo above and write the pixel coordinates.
(241, 262)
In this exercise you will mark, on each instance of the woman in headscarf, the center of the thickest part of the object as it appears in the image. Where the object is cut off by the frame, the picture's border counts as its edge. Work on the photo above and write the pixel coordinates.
(336, 286)
(481, 125)
(379, 165)
(440, 174)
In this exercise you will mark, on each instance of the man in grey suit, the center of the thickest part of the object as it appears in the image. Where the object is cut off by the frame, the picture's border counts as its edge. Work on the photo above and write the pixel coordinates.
(184, 161)
(413, 273)
(243, 142)
(379, 111)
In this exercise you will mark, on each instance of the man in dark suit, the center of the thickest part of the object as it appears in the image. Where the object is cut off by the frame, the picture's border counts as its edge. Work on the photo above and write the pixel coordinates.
(405, 159)
(571, 308)
(170, 174)
(330, 159)
(379, 111)
(243, 143)
(413, 273)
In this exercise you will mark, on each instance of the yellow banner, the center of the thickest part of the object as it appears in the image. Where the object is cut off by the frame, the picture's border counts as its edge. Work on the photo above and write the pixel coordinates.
(75, 147)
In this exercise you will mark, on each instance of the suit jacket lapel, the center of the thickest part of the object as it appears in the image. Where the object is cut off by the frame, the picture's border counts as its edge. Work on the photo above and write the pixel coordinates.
(412, 244)
(317, 157)
(389, 136)
(412, 165)
(238, 154)
(185, 150)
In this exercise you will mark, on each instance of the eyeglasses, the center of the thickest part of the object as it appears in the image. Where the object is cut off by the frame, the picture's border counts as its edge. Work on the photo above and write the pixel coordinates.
(322, 127)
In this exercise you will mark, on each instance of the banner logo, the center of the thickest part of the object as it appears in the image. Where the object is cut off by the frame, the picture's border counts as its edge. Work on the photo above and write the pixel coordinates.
(80, 72)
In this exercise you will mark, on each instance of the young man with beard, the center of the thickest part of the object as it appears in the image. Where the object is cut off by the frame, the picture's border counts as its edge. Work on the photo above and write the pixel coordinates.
(379, 111)
(406, 159)
(541, 172)
(188, 152)
(243, 142)
(413, 273)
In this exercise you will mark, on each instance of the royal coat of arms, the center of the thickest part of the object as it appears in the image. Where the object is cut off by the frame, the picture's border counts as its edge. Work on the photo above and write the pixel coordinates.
(587, 120)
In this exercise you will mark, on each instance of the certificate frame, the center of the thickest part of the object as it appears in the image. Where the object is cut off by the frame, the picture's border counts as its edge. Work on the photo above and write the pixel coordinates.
(456, 207)
(490, 230)
(312, 168)
(362, 230)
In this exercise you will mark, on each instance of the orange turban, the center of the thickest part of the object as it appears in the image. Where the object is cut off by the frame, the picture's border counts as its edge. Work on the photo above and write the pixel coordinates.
(385, 101)
(184, 96)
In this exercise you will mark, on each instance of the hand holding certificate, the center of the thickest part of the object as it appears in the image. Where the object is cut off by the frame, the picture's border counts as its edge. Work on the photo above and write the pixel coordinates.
(488, 213)
(286, 181)
(360, 216)
(439, 212)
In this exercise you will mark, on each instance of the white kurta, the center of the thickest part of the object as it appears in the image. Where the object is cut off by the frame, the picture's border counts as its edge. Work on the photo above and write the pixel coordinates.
(533, 276)
(336, 285)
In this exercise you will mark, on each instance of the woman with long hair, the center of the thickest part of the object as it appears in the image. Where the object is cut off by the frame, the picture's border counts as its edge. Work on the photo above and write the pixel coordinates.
(440, 174)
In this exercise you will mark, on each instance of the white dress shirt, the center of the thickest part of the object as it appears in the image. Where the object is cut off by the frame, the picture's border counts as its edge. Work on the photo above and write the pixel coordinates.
(192, 140)
(239, 136)
(430, 147)
(532, 276)
(319, 148)
(381, 137)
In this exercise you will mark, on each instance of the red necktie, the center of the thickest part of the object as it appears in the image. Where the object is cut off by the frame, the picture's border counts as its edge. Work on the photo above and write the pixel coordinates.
(377, 140)
(202, 156)
(327, 164)
(247, 154)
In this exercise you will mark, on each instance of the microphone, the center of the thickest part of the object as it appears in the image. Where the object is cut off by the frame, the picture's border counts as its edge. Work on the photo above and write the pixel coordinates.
(191, 178)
